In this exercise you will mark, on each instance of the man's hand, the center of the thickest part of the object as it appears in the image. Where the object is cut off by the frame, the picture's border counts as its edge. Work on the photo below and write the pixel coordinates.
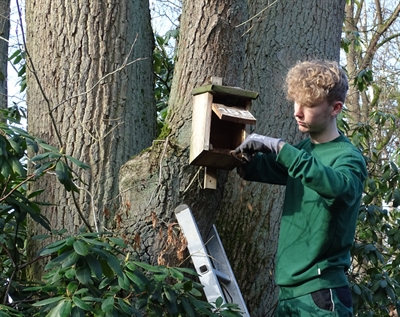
(258, 143)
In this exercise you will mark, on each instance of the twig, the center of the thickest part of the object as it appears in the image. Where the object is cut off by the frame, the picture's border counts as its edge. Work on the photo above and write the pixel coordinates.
(192, 181)
(23, 182)
(124, 64)
(159, 173)
(254, 16)
(93, 209)
(12, 275)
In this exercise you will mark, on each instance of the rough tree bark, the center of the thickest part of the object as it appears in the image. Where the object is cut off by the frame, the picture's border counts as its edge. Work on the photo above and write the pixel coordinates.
(90, 78)
(153, 184)
(4, 36)
(282, 33)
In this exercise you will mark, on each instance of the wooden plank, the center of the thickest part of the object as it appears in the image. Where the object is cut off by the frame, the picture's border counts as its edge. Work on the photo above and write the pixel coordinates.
(233, 114)
(226, 90)
(201, 125)
(217, 158)
(210, 178)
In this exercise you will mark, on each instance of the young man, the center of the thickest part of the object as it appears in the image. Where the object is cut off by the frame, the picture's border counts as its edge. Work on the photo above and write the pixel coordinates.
(324, 176)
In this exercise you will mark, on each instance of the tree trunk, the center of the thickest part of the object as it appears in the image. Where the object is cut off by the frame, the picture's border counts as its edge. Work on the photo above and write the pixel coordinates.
(374, 36)
(153, 184)
(4, 36)
(249, 215)
(90, 92)
(350, 28)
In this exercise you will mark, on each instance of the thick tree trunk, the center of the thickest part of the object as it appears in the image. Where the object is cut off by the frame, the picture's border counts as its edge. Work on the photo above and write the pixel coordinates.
(4, 36)
(249, 215)
(353, 98)
(153, 184)
(93, 61)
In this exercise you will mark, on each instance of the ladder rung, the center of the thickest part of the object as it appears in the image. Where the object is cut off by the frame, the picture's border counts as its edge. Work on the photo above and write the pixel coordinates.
(222, 277)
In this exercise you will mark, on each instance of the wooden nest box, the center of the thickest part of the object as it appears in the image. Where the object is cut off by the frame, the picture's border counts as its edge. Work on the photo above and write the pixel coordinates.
(220, 115)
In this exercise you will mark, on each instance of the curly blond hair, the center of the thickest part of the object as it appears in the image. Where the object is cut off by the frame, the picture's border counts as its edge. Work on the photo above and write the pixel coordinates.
(311, 82)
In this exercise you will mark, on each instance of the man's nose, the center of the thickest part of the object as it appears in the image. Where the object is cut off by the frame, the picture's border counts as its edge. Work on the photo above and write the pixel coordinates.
(298, 112)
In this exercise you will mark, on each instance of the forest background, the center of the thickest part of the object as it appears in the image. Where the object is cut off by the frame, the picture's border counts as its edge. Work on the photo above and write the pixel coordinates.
(89, 189)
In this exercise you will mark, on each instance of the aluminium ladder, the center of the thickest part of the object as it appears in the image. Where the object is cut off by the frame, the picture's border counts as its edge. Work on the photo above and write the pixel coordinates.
(210, 261)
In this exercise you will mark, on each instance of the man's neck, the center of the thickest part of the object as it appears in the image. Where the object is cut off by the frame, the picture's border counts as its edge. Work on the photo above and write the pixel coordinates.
(326, 136)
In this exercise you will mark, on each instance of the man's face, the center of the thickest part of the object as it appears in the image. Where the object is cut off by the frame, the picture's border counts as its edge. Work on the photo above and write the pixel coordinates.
(315, 118)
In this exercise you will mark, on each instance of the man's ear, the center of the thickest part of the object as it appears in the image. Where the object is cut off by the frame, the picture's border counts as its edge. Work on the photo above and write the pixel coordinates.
(337, 108)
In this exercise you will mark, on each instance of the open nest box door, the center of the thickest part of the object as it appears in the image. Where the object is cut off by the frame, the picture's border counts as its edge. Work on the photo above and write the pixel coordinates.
(220, 115)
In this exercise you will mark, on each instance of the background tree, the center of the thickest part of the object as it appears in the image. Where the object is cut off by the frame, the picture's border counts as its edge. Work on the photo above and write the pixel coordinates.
(371, 28)
(90, 95)
(4, 36)
(371, 41)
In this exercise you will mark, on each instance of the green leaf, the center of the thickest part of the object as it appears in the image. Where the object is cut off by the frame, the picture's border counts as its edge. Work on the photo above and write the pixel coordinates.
(40, 168)
(150, 268)
(40, 157)
(139, 279)
(80, 247)
(176, 274)
(95, 242)
(48, 301)
(61, 257)
(118, 242)
(396, 198)
(83, 275)
(63, 309)
(105, 282)
(14, 55)
(107, 271)
(48, 147)
(17, 166)
(77, 162)
(5, 169)
(81, 304)
(77, 312)
(171, 301)
(114, 264)
(40, 237)
(356, 289)
(187, 271)
(94, 265)
(71, 259)
(219, 302)
(187, 307)
(123, 282)
(53, 247)
(124, 304)
(108, 304)
(70, 240)
(72, 287)
(62, 172)
(82, 291)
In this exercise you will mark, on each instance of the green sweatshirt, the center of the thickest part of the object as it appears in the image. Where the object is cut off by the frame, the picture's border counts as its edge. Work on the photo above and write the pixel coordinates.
(324, 184)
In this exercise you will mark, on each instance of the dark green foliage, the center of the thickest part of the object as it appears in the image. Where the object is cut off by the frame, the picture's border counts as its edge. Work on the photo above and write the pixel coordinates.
(375, 271)
(90, 275)
(18, 59)
(163, 66)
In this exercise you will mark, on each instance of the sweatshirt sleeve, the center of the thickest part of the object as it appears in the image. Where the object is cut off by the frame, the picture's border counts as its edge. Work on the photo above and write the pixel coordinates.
(265, 169)
(342, 178)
